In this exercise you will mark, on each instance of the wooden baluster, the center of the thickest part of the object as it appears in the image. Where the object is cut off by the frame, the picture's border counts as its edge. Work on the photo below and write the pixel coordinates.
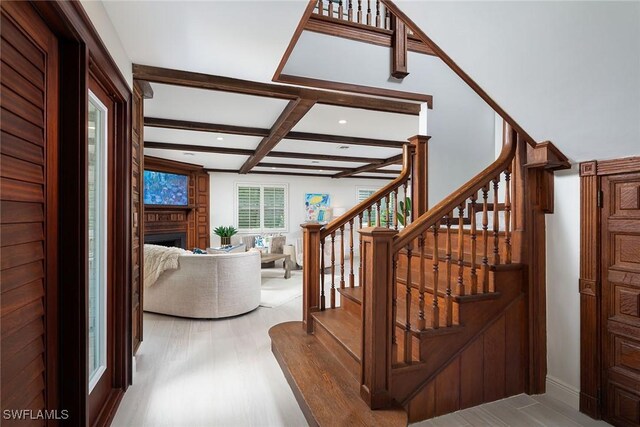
(378, 13)
(461, 290)
(333, 270)
(350, 11)
(330, 9)
(342, 257)
(369, 216)
(320, 7)
(340, 9)
(378, 211)
(485, 239)
(435, 321)
(322, 299)
(496, 223)
(395, 209)
(359, 11)
(351, 261)
(474, 275)
(368, 12)
(387, 221)
(507, 215)
(448, 298)
(361, 218)
(407, 323)
(406, 208)
(387, 20)
(421, 279)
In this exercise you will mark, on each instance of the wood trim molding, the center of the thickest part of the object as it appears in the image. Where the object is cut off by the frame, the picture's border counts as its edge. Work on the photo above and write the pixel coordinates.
(251, 131)
(615, 166)
(246, 87)
(167, 165)
(353, 88)
(294, 39)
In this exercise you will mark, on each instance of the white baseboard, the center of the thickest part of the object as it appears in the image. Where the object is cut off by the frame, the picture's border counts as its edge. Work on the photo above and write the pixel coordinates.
(563, 392)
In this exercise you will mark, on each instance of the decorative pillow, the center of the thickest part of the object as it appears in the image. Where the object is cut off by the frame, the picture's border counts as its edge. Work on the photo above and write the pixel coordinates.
(198, 251)
(260, 242)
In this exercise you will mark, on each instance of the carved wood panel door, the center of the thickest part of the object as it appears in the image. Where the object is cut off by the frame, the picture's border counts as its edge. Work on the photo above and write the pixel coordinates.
(621, 299)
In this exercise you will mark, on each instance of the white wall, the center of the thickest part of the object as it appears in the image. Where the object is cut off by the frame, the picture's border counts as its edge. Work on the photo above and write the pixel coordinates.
(460, 123)
(100, 19)
(222, 196)
(568, 72)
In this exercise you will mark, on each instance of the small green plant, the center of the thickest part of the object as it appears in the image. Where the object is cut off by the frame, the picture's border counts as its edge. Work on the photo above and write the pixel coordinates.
(225, 233)
(405, 206)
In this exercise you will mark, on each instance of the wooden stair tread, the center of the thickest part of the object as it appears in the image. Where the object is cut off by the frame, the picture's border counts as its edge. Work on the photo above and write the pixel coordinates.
(354, 294)
(324, 389)
(344, 327)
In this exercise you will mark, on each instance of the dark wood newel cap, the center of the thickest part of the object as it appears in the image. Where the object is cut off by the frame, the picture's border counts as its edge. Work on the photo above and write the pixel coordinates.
(313, 226)
(418, 139)
(378, 231)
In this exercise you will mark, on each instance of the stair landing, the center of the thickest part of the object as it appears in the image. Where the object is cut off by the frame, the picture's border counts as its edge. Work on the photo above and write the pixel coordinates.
(326, 392)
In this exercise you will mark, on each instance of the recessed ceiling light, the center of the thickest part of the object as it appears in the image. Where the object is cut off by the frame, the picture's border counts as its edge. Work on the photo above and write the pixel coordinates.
(220, 138)
(342, 121)
(274, 168)
(189, 154)
(343, 147)
(320, 170)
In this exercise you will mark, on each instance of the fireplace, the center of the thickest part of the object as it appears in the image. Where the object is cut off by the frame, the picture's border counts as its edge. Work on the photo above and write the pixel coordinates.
(167, 239)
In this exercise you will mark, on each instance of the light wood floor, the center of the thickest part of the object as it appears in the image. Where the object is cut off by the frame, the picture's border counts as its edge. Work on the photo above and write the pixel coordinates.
(222, 373)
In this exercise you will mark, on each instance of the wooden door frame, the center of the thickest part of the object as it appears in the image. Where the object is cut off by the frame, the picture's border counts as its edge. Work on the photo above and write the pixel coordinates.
(590, 282)
(82, 53)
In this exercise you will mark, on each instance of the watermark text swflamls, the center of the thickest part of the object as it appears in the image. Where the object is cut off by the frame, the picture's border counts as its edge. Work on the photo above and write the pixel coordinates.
(31, 414)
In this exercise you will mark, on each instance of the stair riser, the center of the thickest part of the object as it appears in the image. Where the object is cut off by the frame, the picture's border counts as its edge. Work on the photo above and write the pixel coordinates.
(336, 348)
(428, 307)
(442, 240)
(351, 306)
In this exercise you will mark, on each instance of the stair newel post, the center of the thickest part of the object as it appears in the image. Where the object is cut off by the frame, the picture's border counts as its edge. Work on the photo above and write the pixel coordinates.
(310, 273)
(333, 270)
(342, 236)
(496, 222)
(448, 298)
(351, 261)
(485, 239)
(377, 319)
(419, 175)
(461, 289)
(435, 322)
(472, 214)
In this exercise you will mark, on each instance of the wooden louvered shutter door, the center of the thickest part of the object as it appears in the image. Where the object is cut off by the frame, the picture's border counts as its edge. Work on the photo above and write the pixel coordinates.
(28, 210)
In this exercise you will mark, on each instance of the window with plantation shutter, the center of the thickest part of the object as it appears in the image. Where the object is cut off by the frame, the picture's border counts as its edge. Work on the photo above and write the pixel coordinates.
(261, 207)
(386, 212)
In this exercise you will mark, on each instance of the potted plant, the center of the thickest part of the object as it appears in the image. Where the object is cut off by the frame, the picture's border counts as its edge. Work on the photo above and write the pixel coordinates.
(405, 206)
(225, 234)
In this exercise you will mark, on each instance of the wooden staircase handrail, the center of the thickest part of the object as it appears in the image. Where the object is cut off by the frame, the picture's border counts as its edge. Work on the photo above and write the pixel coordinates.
(352, 213)
(456, 198)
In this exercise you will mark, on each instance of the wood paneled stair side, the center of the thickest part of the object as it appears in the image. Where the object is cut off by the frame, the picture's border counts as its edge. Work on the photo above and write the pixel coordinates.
(325, 389)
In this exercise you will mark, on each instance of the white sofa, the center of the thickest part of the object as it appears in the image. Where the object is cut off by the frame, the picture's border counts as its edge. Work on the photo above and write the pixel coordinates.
(207, 286)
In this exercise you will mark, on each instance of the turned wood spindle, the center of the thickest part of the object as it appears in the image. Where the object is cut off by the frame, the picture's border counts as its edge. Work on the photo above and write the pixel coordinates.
(448, 298)
(342, 257)
(395, 209)
(333, 270)
(496, 223)
(472, 214)
(350, 11)
(406, 208)
(507, 215)
(359, 12)
(330, 9)
(394, 306)
(368, 12)
(351, 261)
(485, 239)
(377, 13)
(361, 218)
(461, 290)
(322, 299)
(387, 20)
(340, 10)
(378, 211)
(435, 321)
(320, 7)
(421, 281)
(407, 324)
(387, 221)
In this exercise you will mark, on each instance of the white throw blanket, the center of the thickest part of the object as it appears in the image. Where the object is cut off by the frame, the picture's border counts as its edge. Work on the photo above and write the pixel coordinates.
(157, 259)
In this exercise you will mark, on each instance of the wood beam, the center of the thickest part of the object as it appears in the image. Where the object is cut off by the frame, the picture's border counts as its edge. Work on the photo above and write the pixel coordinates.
(251, 131)
(370, 167)
(291, 115)
(247, 87)
(399, 52)
(145, 89)
(245, 152)
(204, 127)
(318, 175)
(305, 167)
